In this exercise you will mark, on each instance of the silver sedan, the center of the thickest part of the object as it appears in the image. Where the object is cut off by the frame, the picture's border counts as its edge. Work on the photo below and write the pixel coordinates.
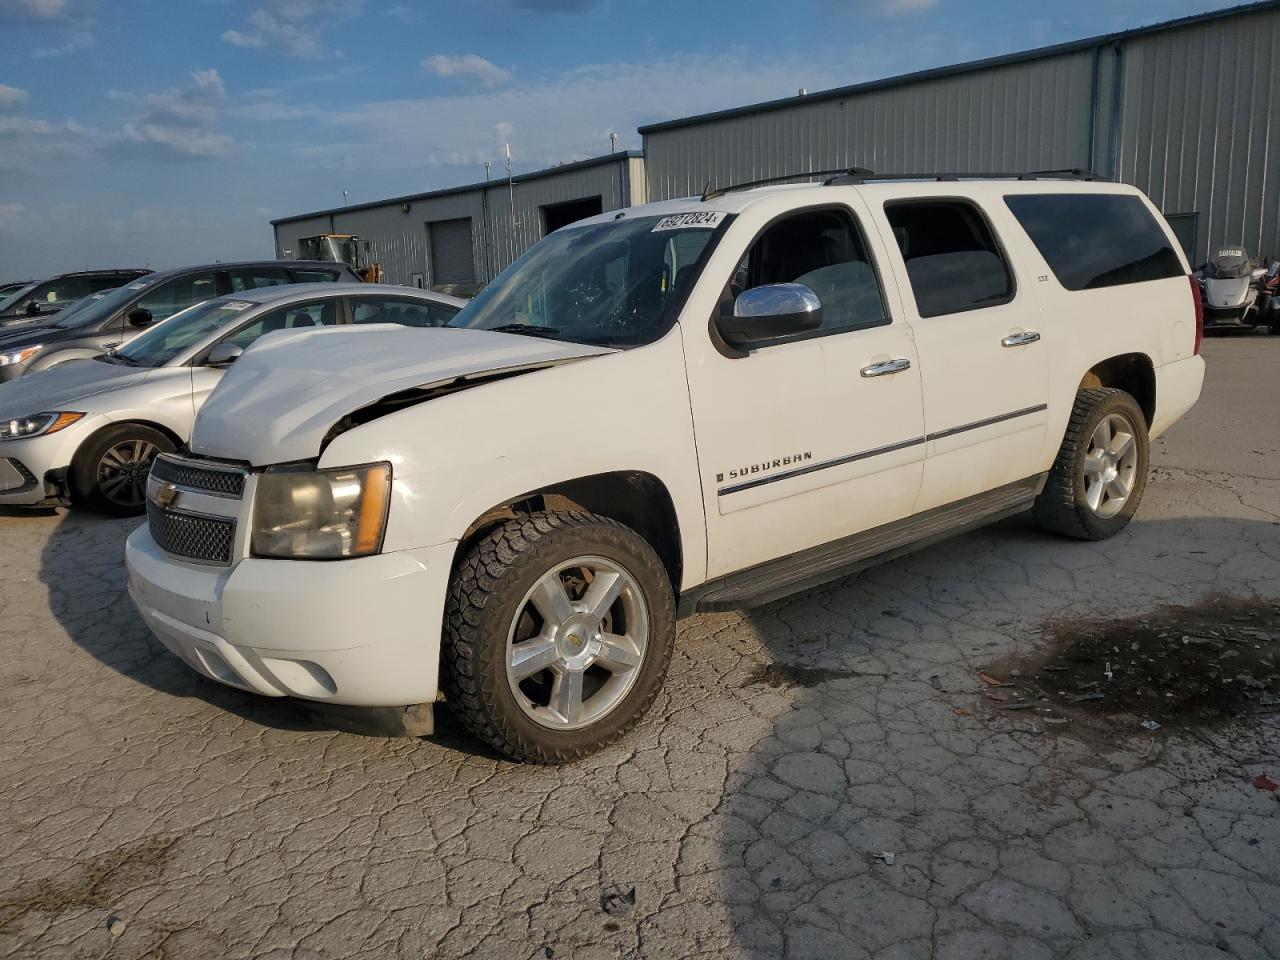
(86, 431)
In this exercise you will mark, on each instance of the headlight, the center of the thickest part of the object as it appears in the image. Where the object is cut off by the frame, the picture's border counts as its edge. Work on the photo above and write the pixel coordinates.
(18, 356)
(37, 424)
(321, 514)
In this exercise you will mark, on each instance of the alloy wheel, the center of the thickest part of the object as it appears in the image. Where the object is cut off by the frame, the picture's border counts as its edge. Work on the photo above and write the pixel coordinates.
(1110, 465)
(577, 643)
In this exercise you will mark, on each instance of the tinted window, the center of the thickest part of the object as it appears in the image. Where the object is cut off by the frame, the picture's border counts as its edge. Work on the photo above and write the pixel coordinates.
(98, 284)
(250, 278)
(321, 313)
(315, 276)
(1096, 240)
(824, 251)
(178, 294)
(953, 261)
(407, 313)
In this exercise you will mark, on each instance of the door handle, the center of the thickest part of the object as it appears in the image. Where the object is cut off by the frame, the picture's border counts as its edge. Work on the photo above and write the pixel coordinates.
(1020, 339)
(885, 367)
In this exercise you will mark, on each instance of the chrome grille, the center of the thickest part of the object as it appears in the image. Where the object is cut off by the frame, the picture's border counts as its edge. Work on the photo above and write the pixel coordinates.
(217, 480)
(190, 535)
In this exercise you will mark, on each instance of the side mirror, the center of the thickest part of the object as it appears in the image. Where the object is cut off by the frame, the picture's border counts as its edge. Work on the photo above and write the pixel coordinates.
(223, 354)
(770, 312)
(33, 309)
(140, 317)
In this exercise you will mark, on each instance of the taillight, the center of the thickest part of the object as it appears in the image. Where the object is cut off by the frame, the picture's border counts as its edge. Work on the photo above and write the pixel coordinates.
(1195, 298)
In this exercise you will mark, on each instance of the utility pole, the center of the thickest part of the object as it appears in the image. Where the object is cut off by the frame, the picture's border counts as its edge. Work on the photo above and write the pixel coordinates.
(511, 197)
(344, 198)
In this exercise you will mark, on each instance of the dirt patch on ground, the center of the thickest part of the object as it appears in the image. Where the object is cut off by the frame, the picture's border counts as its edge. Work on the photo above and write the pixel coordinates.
(95, 884)
(1216, 660)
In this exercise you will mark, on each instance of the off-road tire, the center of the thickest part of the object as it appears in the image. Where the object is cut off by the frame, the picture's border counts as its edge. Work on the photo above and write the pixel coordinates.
(85, 490)
(489, 582)
(1061, 507)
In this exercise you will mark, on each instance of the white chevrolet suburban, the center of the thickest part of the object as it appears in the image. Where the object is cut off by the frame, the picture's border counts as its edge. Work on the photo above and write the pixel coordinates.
(699, 404)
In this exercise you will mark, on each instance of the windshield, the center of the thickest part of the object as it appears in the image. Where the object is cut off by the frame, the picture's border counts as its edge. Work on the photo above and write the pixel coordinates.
(99, 306)
(171, 337)
(17, 295)
(615, 284)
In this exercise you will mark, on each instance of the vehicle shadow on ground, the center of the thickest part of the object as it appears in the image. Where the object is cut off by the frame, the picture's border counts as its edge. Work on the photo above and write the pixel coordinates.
(890, 809)
(82, 567)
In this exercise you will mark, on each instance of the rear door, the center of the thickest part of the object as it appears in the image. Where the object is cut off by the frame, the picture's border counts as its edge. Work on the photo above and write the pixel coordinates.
(984, 356)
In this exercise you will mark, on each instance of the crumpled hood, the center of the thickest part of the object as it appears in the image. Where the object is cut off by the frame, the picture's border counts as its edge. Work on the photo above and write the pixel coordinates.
(65, 387)
(281, 396)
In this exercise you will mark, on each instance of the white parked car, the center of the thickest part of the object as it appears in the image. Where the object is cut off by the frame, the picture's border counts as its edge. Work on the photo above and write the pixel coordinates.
(86, 431)
(691, 405)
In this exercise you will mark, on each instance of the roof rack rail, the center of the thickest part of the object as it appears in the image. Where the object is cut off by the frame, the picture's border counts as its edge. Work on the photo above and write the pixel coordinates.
(712, 191)
(855, 175)
(859, 176)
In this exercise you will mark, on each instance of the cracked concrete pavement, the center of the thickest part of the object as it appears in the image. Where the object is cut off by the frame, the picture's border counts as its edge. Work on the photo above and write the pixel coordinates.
(792, 744)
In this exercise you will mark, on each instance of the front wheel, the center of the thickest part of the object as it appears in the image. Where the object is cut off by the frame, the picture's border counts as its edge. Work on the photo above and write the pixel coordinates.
(110, 470)
(558, 633)
(1098, 479)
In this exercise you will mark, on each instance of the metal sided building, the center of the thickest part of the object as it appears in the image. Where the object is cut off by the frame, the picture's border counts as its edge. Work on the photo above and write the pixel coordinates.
(1188, 111)
(459, 238)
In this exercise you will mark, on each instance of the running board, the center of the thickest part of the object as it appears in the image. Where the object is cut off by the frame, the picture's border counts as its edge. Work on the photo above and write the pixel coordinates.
(779, 578)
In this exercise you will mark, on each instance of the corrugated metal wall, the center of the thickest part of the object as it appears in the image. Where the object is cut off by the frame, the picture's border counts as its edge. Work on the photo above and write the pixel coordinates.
(1025, 116)
(400, 239)
(1200, 128)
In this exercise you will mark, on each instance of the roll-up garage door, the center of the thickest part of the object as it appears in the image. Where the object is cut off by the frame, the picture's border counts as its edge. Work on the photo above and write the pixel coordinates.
(452, 260)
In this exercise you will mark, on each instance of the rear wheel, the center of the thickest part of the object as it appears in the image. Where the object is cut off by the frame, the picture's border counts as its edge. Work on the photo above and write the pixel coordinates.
(558, 633)
(1098, 479)
(110, 470)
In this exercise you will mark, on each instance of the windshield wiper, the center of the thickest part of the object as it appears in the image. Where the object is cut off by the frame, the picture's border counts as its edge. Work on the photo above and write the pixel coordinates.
(528, 329)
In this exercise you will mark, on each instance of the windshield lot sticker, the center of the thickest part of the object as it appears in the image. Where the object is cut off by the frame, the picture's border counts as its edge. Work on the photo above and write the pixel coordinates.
(705, 219)
(237, 305)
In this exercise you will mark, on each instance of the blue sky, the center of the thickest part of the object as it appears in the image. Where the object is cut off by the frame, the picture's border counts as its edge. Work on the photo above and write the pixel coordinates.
(170, 132)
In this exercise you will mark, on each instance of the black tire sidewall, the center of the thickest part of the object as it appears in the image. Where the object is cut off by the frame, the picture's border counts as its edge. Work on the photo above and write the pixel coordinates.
(1123, 404)
(84, 466)
(594, 537)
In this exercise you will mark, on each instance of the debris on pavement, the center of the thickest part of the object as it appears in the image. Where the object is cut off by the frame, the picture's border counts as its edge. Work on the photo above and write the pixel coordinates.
(1216, 659)
(885, 856)
(115, 926)
(616, 903)
(1263, 782)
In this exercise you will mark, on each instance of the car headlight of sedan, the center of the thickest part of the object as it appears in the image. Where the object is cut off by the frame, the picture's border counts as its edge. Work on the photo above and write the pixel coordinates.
(309, 514)
(14, 357)
(37, 425)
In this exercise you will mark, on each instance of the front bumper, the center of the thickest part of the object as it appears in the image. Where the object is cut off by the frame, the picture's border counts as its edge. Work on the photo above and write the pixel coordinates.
(362, 632)
(34, 459)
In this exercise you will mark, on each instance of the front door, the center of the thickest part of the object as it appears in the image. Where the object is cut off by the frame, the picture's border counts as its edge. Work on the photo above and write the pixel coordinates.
(804, 442)
(986, 368)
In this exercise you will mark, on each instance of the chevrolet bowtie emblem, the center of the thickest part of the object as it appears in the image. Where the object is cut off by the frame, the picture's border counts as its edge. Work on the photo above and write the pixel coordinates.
(164, 494)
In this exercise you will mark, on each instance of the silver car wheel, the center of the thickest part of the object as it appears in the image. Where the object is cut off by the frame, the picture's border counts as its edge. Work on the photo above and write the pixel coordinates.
(1110, 465)
(122, 472)
(577, 643)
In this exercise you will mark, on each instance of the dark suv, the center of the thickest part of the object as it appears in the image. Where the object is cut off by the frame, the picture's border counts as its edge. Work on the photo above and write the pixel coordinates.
(41, 298)
(103, 321)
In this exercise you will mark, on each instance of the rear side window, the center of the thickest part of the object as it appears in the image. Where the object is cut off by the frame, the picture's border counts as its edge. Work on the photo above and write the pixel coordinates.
(251, 278)
(1096, 240)
(406, 313)
(315, 276)
(953, 261)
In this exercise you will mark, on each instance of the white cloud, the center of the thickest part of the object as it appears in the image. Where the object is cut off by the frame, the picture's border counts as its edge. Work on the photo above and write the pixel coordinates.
(468, 66)
(35, 9)
(28, 144)
(181, 120)
(295, 27)
(11, 97)
(899, 8)
(12, 215)
(78, 41)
